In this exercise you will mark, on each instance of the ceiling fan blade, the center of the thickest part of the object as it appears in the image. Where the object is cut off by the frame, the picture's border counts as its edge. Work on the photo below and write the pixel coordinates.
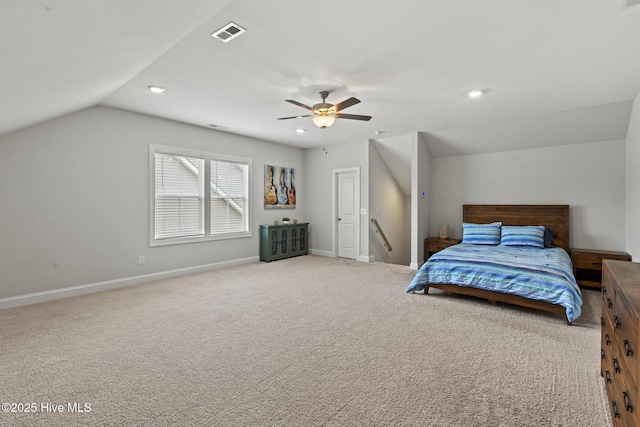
(299, 104)
(294, 117)
(346, 103)
(353, 117)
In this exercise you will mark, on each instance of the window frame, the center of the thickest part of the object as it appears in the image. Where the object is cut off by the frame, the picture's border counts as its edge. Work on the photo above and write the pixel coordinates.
(207, 157)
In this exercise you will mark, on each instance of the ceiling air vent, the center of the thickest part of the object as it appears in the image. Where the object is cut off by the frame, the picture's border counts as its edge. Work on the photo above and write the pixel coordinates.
(629, 3)
(228, 32)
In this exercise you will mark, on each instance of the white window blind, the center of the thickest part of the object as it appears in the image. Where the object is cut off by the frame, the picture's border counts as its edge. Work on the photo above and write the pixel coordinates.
(229, 196)
(179, 199)
(183, 196)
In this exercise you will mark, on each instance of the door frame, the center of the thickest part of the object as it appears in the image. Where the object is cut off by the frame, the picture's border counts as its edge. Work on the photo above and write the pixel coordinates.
(334, 208)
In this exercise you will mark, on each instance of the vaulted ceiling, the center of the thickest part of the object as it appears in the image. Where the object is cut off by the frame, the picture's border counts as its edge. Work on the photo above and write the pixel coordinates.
(546, 67)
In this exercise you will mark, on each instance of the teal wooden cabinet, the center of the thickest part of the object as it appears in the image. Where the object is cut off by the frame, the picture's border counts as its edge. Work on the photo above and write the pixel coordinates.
(283, 241)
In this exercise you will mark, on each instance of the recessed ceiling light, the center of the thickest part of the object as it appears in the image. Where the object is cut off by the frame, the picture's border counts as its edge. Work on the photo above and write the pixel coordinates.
(474, 93)
(156, 89)
(300, 130)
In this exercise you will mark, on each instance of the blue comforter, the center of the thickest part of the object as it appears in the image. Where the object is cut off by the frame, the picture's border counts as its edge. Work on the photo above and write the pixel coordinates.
(539, 274)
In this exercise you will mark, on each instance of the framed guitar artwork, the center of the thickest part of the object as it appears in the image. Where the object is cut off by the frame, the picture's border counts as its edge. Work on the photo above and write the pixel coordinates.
(279, 187)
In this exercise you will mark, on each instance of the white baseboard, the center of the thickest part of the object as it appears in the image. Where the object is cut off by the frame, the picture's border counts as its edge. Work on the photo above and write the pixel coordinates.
(331, 254)
(414, 266)
(318, 252)
(117, 283)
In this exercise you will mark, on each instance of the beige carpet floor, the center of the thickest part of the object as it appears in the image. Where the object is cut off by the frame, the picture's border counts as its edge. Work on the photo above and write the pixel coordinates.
(308, 341)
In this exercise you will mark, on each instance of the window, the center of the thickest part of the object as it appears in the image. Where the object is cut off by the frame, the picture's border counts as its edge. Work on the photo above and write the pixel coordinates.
(198, 196)
(179, 196)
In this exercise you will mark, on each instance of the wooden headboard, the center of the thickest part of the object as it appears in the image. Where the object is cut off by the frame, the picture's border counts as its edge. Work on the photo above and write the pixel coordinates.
(556, 217)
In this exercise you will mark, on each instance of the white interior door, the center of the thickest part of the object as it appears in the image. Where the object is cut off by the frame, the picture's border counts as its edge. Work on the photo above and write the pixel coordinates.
(348, 214)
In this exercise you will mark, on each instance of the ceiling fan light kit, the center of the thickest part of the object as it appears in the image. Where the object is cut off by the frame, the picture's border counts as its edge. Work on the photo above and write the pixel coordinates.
(325, 114)
(324, 120)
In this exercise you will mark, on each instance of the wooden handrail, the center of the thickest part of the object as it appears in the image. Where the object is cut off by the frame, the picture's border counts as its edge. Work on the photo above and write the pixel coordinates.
(378, 229)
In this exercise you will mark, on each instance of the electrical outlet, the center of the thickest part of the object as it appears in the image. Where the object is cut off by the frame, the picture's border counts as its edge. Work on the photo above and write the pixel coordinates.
(141, 260)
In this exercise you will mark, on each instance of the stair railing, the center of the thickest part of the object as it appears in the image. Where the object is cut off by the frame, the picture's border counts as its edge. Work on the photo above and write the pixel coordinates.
(380, 233)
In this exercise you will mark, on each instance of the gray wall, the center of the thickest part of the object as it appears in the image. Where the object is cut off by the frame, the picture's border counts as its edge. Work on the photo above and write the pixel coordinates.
(590, 177)
(389, 206)
(320, 162)
(74, 201)
(632, 179)
(74, 197)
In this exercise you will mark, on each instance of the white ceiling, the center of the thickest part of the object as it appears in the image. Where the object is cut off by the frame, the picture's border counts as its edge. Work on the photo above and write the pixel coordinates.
(544, 65)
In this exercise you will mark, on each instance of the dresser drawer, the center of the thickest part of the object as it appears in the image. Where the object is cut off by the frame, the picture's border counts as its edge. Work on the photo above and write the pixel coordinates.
(608, 305)
(607, 287)
(607, 349)
(625, 396)
(626, 332)
(607, 342)
(624, 325)
(608, 298)
(628, 367)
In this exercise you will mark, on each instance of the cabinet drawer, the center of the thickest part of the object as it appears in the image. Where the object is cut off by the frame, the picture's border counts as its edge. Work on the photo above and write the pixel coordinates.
(438, 246)
(588, 261)
(593, 260)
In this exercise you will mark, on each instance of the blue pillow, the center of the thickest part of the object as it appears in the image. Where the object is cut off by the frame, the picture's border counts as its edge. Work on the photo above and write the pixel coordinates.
(481, 234)
(549, 235)
(527, 235)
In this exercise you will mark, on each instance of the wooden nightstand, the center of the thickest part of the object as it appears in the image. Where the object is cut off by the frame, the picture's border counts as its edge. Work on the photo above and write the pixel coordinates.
(587, 265)
(436, 244)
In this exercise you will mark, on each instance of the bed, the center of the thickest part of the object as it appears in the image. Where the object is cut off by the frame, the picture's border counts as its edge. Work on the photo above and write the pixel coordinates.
(525, 276)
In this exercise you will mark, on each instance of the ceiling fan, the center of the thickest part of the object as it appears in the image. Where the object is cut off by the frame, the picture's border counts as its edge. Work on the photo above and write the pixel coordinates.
(324, 114)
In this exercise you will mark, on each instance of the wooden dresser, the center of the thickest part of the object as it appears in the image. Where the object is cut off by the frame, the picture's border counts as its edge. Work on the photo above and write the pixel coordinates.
(620, 349)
